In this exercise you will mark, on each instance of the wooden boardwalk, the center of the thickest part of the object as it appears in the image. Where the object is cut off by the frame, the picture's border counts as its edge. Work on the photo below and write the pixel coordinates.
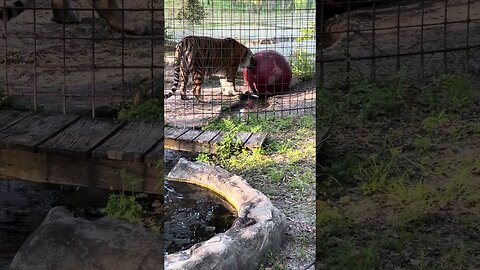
(74, 150)
(198, 141)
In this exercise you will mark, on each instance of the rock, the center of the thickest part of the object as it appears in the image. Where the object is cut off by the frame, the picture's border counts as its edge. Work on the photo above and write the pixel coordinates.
(260, 229)
(66, 242)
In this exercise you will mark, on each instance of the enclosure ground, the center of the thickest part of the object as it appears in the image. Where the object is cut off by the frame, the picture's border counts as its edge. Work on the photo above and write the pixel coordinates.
(284, 170)
(76, 67)
(399, 185)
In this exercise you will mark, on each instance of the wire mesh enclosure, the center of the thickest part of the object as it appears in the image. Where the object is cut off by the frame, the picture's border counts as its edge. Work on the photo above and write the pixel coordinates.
(85, 57)
(375, 40)
(279, 34)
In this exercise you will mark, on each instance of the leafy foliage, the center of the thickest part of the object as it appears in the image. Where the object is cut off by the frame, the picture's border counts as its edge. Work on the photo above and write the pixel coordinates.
(151, 109)
(124, 206)
(192, 11)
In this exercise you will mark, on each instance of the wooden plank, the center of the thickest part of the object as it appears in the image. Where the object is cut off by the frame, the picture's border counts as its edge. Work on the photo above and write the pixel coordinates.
(256, 140)
(132, 142)
(217, 140)
(189, 136)
(171, 136)
(244, 136)
(51, 168)
(8, 118)
(29, 133)
(174, 133)
(186, 142)
(156, 154)
(202, 144)
(79, 139)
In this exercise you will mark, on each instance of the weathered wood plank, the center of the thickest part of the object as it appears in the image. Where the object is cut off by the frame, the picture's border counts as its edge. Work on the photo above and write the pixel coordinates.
(217, 140)
(156, 154)
(132, 142)
(57, 169)
(190, 135)
(30, 132)
(244, 136)
(202, 144)
(79, 139)
(174, 133)
(186, 142)
(8, 118)
(256, 140)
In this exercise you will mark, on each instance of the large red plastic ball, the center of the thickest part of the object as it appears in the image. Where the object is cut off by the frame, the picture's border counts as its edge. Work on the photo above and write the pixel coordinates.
(271, 75)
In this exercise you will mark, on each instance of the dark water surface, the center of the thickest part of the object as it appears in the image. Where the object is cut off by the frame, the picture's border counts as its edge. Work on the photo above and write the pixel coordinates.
(24, 205)
(192, 214)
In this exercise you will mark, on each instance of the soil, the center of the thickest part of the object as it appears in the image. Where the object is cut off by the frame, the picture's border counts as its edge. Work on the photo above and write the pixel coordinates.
(403, 36)
(54, 71)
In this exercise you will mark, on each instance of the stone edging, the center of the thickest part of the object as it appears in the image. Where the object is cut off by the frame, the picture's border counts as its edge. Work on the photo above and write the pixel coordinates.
(259, 228)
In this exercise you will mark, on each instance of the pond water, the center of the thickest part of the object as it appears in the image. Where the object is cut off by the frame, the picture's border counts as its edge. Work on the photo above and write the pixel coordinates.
(192, 214)
(24, 205)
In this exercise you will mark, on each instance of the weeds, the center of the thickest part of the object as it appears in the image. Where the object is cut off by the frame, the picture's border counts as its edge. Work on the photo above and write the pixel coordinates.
(303, 64)
(450, 92)
(151, 109)
(124, 206)
(401, 165)
(376, 175)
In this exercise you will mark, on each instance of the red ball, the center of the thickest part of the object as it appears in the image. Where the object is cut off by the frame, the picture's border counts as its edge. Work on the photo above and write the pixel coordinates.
(271, 75)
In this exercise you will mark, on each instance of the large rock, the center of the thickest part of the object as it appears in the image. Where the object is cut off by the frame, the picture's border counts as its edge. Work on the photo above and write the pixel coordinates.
(259, 228)
(65, 242)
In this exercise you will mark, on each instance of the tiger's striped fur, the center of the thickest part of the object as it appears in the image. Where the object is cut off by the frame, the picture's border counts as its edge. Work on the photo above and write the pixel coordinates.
(204, 57)
(63, 14)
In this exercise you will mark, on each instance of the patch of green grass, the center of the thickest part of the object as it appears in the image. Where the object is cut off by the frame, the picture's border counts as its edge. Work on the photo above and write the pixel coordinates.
(412, 213)
(234, 124)
(453, 258)
(203, 157)
(376, 175)
(303, 64)
(353, 256)
(330, 218)
(151, 109)
(450, 92)
(7, 102)
(12, 57)
(407, 194)
(387, 99)
(124, 206)
(436, 121)
(423, 143)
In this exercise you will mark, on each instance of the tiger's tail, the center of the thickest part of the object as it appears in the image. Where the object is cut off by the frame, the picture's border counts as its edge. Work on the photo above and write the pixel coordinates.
(176, 73)
(15, 9)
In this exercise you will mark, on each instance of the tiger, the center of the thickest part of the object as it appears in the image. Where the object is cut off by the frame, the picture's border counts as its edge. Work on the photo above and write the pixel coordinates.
(62, 13)
(206, 56)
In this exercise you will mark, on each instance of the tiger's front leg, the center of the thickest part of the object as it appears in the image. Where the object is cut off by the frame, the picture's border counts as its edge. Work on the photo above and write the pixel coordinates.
(228, 87)
(115, 18)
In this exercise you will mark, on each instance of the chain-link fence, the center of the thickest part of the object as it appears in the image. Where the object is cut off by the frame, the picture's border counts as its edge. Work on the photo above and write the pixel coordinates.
(78, 58)
(377, 39)
(286, 27)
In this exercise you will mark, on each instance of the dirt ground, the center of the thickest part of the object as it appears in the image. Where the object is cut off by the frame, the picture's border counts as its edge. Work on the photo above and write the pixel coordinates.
(399, 181)
(360, 44)
(64, 78)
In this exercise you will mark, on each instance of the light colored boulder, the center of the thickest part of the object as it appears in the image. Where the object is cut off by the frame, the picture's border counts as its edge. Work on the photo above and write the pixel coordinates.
(65, 242)
(259, 228)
